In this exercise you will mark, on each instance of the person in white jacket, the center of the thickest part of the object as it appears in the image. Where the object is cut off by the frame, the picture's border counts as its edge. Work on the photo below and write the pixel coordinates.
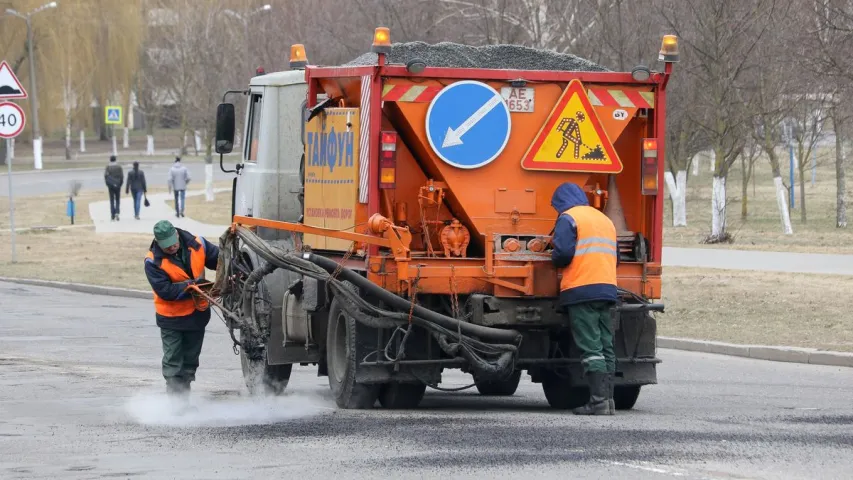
(179, 178)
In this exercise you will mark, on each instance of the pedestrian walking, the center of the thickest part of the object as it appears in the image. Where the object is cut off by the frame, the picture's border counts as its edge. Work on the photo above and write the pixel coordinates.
(176, 260)
(136, 187)
(114, 178)
(179, 178)
(585, 249)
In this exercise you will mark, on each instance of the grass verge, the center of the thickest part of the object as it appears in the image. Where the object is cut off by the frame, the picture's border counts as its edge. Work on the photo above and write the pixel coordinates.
(764, 308)
(761, 229)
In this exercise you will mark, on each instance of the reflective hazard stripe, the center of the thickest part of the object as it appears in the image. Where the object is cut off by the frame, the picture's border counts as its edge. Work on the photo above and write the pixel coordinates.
(608, 250)
(594, 357)
(409, 93)
(601, 97)
(589, 240)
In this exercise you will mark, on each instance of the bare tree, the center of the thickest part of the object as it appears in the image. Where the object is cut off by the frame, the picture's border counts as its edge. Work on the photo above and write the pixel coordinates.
(723, 35)
(807, 125)
(832, 57)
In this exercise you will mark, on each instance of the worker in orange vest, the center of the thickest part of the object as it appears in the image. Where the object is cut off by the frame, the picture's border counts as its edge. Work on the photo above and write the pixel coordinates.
(585, 250)
(176, 260)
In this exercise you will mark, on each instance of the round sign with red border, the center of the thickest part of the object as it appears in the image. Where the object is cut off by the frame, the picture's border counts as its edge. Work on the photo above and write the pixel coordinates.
(12, 120)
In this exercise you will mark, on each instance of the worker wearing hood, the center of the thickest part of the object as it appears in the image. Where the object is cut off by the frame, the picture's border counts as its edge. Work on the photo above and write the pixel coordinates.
(585, 251)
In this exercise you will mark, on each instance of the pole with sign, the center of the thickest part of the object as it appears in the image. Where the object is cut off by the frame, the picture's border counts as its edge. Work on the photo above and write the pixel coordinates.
(12, 123)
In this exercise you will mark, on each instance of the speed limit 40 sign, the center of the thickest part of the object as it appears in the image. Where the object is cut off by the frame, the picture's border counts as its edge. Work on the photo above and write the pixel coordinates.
(11, 120)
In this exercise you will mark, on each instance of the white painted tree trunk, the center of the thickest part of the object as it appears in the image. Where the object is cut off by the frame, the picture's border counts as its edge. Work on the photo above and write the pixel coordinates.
(68, 135)
(197, 141)
(782, 202)
(125, 142)
(37, 152)
(186, 140)
(82, 141)
(718, 207)
(713, 158)
(696, 165)
(115, 147)
(678, 194)
(208, 182)
(149, 148)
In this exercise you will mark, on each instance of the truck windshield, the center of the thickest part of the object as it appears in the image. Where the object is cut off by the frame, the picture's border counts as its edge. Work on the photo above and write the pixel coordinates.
(250, 152)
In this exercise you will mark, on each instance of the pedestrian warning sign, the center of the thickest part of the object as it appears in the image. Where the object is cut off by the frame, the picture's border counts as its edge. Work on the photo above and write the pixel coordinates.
(10, 87)
(572, 139)
(112, 115)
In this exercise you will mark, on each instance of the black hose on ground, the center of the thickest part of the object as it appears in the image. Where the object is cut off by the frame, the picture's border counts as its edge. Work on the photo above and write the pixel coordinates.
(400, 303)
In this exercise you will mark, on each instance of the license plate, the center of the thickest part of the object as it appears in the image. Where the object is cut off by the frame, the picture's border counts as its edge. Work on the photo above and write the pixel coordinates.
(518, 99)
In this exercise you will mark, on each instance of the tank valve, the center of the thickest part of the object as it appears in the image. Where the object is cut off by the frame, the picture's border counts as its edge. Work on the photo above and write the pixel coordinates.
(455, 239)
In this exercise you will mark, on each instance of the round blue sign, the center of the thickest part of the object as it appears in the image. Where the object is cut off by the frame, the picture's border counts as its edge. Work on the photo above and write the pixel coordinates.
(468, 124)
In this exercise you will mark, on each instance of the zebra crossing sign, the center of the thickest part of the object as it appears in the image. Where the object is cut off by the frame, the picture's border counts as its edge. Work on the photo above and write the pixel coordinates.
(112, 115)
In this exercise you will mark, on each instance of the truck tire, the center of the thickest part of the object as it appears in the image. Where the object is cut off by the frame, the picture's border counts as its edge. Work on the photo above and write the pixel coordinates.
(560, 392)
(397, 395)
(625, 396)
(499, 388)
(341, 362)
(262, 378)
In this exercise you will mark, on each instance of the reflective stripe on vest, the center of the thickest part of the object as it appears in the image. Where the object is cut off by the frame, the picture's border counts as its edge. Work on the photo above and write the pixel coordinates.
(596, 250)
(181, 308)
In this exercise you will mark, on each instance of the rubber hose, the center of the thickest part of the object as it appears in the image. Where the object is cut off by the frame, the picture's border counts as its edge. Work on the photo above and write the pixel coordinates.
(400, 303)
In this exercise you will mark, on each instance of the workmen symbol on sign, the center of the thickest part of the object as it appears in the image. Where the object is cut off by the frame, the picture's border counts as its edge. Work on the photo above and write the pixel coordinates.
(571, 133)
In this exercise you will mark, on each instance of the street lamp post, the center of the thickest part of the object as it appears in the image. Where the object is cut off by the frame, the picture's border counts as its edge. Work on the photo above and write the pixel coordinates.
(244, 18)
(34, 103)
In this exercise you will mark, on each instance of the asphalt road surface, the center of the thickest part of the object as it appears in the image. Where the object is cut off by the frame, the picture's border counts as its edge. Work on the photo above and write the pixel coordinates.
(25, 184)
(80, 397)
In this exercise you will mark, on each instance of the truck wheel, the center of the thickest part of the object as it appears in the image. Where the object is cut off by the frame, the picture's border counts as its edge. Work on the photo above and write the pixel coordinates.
(625, 396)
(560, 392)
(262, 378)
(341, 360)
(396, 395)
(503, 388)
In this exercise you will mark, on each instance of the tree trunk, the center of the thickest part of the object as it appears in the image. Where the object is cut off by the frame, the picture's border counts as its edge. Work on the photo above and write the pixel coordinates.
(695, 165)
(197, 139)
(800, 165)
(125, 142)
(781, 191)
(68, 140)
(744, 200)
(208, 166)
(678, 195)
(82, 141)
(840, 181)
(718, 209)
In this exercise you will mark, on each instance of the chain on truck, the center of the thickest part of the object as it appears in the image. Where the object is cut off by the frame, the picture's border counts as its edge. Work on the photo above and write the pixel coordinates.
(391, 219)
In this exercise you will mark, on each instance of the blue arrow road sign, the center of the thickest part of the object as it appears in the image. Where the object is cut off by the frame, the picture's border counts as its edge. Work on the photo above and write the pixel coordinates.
(468, 124)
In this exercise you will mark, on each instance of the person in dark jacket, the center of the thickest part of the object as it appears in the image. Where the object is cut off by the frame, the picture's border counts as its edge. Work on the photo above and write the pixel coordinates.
(114, 178)
(175, 261)
(585, 249)
(136, 187)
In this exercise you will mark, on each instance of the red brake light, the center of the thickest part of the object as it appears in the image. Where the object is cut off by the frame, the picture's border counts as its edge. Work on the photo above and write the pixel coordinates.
(650, 167)
(388, 160)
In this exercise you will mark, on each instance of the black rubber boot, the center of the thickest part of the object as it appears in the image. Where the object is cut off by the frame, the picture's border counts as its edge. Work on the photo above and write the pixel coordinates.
(610, 387)
(599, 391)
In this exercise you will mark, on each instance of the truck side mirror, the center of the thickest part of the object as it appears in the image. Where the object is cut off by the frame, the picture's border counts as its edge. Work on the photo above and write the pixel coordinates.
(224, 128)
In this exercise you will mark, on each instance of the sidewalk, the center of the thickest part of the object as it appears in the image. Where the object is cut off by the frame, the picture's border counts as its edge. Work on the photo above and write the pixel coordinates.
(162, 208)
(815, 263)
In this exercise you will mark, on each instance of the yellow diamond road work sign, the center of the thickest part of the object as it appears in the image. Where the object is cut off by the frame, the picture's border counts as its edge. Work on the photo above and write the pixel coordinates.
(572, 139)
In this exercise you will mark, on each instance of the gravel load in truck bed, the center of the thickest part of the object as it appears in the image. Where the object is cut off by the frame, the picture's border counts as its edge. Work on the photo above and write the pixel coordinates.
(454, 55)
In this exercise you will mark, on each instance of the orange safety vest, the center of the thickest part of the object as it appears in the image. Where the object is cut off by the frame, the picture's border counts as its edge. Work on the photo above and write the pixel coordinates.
(181, 308)
(595, 253)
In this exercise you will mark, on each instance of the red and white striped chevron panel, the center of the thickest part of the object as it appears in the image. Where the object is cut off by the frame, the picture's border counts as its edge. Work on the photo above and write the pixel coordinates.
(409, 93)
(604, 97)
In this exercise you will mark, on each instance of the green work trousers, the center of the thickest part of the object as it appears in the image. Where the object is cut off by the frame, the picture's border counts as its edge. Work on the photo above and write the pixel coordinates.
(593, 334)
(181, 349)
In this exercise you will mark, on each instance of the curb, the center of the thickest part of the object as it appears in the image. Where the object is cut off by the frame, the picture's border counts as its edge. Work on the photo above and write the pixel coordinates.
(82, 288)
(810, 356)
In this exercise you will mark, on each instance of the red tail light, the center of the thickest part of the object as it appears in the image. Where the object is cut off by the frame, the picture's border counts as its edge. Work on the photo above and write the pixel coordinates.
(650, 166)
(388, 160)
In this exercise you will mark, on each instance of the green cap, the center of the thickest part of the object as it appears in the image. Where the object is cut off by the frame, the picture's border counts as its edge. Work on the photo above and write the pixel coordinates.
(165, 234)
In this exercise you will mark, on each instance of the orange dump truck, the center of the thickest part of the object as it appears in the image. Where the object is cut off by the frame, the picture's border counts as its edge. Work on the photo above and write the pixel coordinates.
(392, 218)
